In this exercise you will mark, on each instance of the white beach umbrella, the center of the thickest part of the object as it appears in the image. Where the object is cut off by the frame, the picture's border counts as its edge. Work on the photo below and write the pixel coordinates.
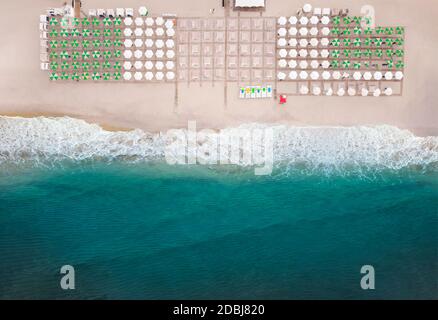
(329, 92)
(159, 21)
(293, 75)
(281, 76)
(304, 20)
(127, 54)
(303, 53)
(367, 75)
(325, 64)
(313, 42)
(314, 75)
(313, 31)
(313, 53)
(170, 32)
(292, 64)
(351, 91)
(336, 75)
(341, 92)
(149, 43)
(138, 32)
(293, 42)
(128, 21)
(128, 43)
(138, 43)
(170, 75)
(388, 91)
(357, 75)
(282, 32)
(149, 32)
(293, 20)
(292, 53)
(314, 20)
(326, 75)
(170, 65)
(324, 53)
(303, 75)
(399, 75)
(149, 76)
(293, 31)
(159, 43)
(127, 76)
(345, 75)
(282, 63)
(138, 21)
(303, 64)
(307, 8)
(304, 31)
(138, 76)
(324, 42)
(377, 92)
(170, 54)
(148, 54)
(149, 65)
(159, 76)
(138, 54)
(159, 32)
(281, 42)
(169, 24)
(282, 21)
(149, 21)
(303, 43)
(282, 53)
(316, 90)
(325, 31)
(159, 54)
(377, 75)
(127, 65)
(138, 65)
(364, 92)
(127, 32)
(304, 89)
(159, 65)
(325, 20)
(314, 64)
(143, 11)
(388, 75)
(170, 43)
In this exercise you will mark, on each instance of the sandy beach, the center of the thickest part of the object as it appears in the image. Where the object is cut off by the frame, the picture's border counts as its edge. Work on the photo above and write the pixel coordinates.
(26, 90)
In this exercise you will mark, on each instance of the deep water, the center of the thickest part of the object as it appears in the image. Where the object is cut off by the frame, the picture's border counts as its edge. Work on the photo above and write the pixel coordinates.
(154, 231)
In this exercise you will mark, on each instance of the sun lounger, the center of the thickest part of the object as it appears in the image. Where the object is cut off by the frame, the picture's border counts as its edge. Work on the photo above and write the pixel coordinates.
(92, 12)
(129, 12)
(120, 12)
(101, 13)
(326, 11)
(110, 13)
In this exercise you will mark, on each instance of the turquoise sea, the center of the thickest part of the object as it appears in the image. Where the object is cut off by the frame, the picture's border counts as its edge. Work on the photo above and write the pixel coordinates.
(148, 230)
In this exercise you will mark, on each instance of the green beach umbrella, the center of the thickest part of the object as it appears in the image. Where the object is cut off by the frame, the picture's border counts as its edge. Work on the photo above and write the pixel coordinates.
(389, 52)
(117, 76)
(368, 31)
(96, 22)
(75, 76)
(388, 41)
(85, 76)
(335, 42)
(85, 55)
(389, 31)
(64, 22)
(53, 55)
(380, 30)
(53, 22)
(75, 33)
(76, 22)
(367, 20)
(357, 53)
(378, 53)
(366, 64)
(53, 43)
(335, 31)
(85, 43)
(64, 33)
(357, 42)
(117, 32)
(107, 22)
(347, 20)
(357, 20)
(63, 43)
(378, 42)
(54, 76)
(106, 76)
(346, 64)
(335, 64)
(347, 42)
(64, 54)
(117, 21)
(107, 54)
(54, 65)
(347, 52)
(53, 33)
(96, 65)
(117, 53)
(106, 65)
(96, 54)
(399, 30)
(86, 32)
(96, 33)
(336, 53)
(399, 52)
(346, 32)
(390, 63)
(75, 55)
(399, 41)
(75, 65)
(65, 76)
(357, 30)
(367, 53)
(85, 22)
(399, 64)
(117, 65)
(95, 76)
(107, 32)
(96, 43)
(368, 42)
(336, 20)
(357, 65)
(85, 66)
(75, 43)
(107, 43)
(117, 43)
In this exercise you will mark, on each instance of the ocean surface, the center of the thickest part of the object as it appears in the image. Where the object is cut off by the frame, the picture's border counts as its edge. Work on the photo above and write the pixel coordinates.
(135, 227)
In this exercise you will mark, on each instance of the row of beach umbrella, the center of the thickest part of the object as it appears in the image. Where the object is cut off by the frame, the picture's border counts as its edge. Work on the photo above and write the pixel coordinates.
(149, 65)
(138, 76)
(149, 21)
(148, 32)
(326, 64)
(169, 54)
(351, 91)
(149, 43)
(338, 75)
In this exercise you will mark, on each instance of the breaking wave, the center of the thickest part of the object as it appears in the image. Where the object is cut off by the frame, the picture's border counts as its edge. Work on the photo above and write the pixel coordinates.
(46, 140)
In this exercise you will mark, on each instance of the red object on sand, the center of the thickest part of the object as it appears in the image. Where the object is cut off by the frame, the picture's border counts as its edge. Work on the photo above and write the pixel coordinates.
(283, 99)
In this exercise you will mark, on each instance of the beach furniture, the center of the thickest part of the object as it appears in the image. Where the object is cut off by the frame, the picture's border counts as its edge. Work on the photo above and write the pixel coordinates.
(377, 92)
(129, 12)
(307, 8)
(317, 11)
(316, 90)
(120, 12)
(101, 13)
(304, 89)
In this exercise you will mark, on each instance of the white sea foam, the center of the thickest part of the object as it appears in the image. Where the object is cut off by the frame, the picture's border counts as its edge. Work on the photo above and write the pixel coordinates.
(49, 140)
